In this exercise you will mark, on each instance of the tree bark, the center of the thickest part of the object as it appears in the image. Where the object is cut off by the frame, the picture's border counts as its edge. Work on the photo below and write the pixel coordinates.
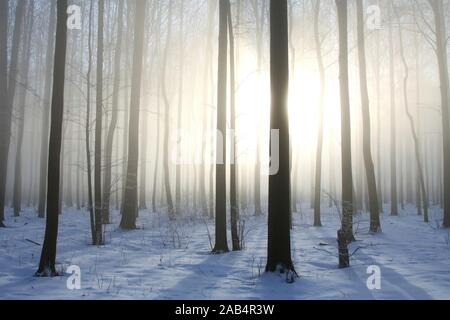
(367, 145)
(279, 239)
(114, 118)
(48, 255)
(130, 206)
(87, 128)
(167, 117)
(346, 147)
(320, 64)
(7, 108)
(98, 128)
(22, 99)
(180, 109)
(234, 208)
(441, 51)
(46, 110)
(393, 133)
(221, 244)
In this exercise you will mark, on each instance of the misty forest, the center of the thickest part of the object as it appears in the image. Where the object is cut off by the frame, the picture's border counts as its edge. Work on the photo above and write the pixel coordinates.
(224, 149)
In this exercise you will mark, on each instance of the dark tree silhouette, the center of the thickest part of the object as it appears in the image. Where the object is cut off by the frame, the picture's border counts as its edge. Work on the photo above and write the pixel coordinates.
(114, 116)
(234, 208)
(130, 206)
(5, 117)
(346, 148)
(394, 198)
(221, 196)
(417, 152)
(367, 145)
(180, 106)
(167, 115)
(48, 255)
(321, 66)
(279, 238)
(98, 129)
(3, 76)
(46, 109)
(441, 51)
(21, 101)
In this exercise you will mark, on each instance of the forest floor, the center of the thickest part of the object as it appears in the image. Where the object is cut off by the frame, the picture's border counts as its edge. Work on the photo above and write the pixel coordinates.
(172, 260)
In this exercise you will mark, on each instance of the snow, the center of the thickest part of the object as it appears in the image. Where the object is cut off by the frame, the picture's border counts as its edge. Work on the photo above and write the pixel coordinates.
(172, 260)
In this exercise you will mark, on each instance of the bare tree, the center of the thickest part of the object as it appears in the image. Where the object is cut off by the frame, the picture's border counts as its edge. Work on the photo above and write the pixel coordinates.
(114, 116)
(130, 206)
(318, 172)
(346, 148)
(279, 239)
(411, 119)
(98, 128)
(6, 111)
(441, 52)
(180, 106)
(167, 115)
(221, 244)
(48, 255)
(367, 145)
(234, 208)
(22, 99)
(393, 133)
(87, 128)
(4, 6)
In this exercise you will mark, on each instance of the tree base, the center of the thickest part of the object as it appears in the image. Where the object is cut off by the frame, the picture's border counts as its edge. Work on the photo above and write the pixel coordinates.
(47, 272)
(375, 229)
(286, 269)
(344, 257)
(219, 250)
(127, 226)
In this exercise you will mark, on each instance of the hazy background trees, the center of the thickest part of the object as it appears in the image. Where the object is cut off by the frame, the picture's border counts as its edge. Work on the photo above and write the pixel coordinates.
(345, 93)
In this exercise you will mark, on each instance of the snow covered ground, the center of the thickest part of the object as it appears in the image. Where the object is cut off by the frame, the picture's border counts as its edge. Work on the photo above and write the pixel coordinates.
(164, 260)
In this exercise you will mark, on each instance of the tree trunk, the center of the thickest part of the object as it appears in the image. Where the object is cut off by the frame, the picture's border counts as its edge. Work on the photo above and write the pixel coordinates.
(167, 116)
(180, 110)
(4, 8)
(48, 255)
(7, 108)
(411, 122)
(379, 124)
(158, 114)
(46, 111)
(221, 150)
(279, 239)
(212, 5)
(259, 44)
(126, 97)
(367, 145)
(394, 200)
(236, 245)
(441, 51)
(98, 128)
(320, 64)
(114, 118)
(87, 128)
(130, 206)
(22, 99)
(346, 144)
